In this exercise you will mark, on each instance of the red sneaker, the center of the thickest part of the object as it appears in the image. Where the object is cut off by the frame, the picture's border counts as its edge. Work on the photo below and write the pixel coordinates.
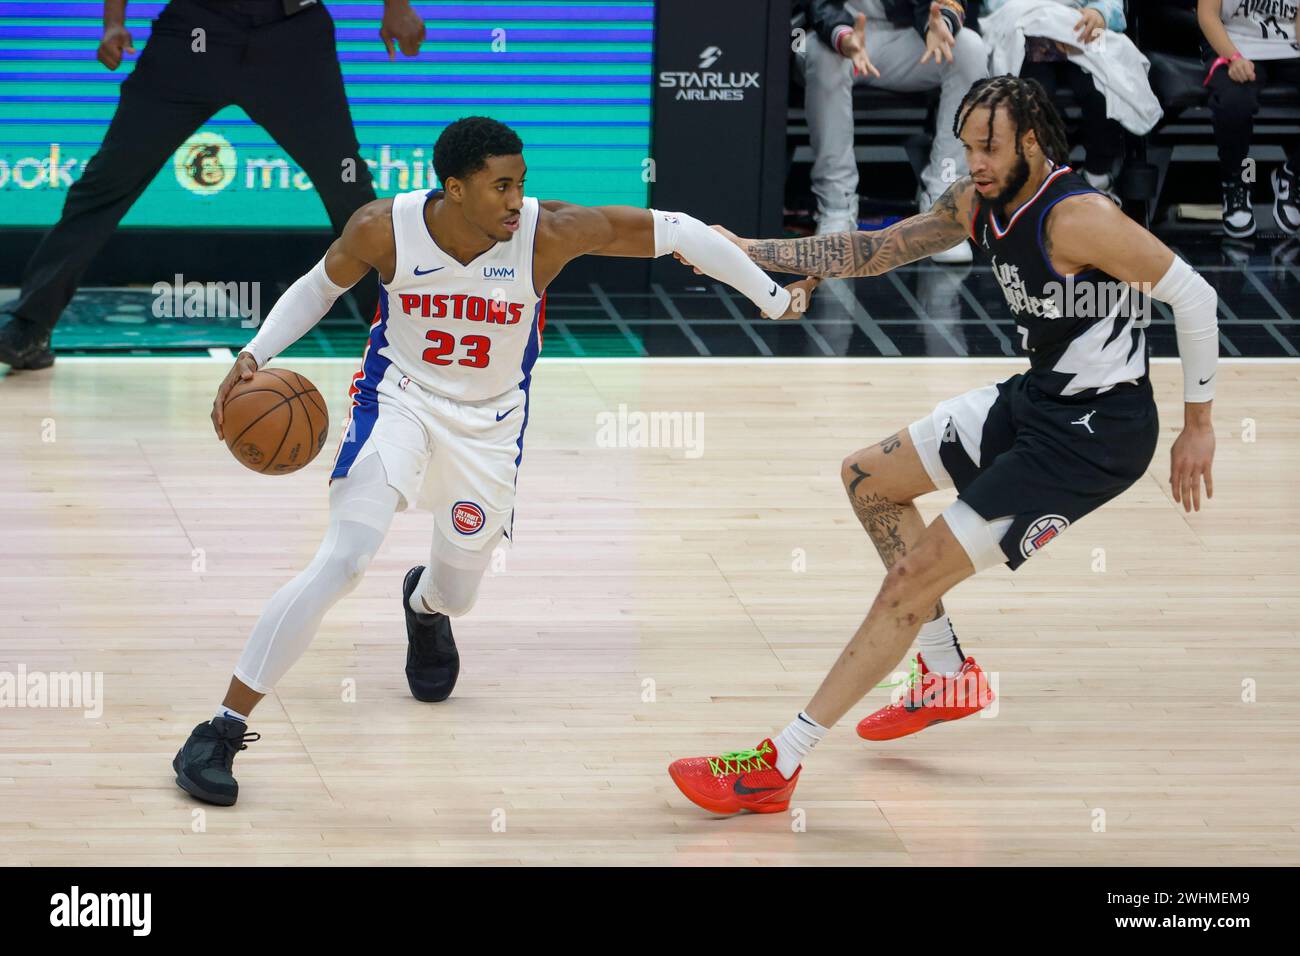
(744, 780)
(930, 699)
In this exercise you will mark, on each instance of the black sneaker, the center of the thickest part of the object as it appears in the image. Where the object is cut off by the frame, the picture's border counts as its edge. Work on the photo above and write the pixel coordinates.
(432, 661)
(1286, 202)
(1238, 213)
(22, 346)
(203, 764)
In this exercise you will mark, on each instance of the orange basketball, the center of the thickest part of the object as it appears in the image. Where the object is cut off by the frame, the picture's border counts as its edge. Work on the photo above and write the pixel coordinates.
(276, 422)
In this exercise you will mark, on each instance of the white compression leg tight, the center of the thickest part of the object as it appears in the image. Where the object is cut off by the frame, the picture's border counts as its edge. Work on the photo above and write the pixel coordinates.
(449, 584)
(361, 509)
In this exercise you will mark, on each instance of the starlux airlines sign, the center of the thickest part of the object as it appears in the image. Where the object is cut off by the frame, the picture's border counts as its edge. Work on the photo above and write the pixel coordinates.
(708, 85)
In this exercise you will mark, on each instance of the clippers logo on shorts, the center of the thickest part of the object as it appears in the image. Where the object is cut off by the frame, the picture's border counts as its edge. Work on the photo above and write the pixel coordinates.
(472, 308)
(1040, 532)
(467, 517)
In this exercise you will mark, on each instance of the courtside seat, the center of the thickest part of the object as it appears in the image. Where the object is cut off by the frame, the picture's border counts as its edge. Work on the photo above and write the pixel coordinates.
(1167, 32)
(888, 127)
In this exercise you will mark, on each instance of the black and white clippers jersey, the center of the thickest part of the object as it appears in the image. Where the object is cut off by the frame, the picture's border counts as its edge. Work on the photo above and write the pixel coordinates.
(1083, 333)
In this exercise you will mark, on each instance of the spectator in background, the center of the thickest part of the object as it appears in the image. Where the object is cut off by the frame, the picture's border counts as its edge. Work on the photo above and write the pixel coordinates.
(900, 45)
(275, 59)
(1048, 62)
(1250, 46)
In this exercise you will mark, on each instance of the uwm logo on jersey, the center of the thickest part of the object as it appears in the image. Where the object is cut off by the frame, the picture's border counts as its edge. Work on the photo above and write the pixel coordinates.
(471, 308)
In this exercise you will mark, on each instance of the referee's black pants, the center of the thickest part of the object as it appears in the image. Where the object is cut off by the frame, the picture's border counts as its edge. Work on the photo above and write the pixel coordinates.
(282, 71)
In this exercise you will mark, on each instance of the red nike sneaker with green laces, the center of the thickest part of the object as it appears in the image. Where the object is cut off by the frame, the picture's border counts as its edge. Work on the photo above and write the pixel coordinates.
(930, 699)
(730, 783)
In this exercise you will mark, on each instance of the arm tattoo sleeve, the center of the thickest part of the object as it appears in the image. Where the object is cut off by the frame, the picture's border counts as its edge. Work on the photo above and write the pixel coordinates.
(868, 253)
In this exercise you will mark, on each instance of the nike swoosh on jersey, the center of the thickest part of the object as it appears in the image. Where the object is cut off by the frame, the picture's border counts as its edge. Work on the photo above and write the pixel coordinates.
(501, 415)
(427, 271)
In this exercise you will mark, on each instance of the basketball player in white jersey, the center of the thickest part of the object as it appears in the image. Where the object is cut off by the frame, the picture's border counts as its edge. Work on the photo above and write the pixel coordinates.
(441, 402)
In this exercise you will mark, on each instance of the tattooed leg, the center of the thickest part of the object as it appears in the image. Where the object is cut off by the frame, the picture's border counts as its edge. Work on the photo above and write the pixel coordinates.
(935, 563)
(924, 564)
(881, 482)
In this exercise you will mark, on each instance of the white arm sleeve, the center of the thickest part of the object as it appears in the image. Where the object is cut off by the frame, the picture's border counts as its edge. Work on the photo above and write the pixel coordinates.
(294, 314)
(1196, 325)
(718, 258)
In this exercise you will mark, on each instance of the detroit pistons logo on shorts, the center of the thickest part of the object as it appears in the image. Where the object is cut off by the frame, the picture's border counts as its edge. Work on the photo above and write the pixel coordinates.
(467, 517)
(1042, 531)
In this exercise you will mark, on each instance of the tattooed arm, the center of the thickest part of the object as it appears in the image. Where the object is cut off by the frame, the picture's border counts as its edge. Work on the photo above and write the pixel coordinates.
(944, 225)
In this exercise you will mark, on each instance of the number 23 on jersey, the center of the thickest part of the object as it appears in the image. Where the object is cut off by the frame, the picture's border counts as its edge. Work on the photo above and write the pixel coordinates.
(443, 351)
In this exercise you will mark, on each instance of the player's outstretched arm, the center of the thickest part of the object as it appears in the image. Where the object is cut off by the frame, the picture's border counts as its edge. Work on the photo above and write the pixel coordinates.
(366, 243)
(567, 231)
(1131, 254)
(846, 254)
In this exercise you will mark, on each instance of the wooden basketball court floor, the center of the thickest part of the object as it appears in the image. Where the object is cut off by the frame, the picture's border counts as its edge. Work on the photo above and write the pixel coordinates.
(656, 605)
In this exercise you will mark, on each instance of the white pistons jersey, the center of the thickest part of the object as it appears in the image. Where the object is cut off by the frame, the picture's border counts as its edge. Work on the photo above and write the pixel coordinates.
(442, 395)
(466, 332)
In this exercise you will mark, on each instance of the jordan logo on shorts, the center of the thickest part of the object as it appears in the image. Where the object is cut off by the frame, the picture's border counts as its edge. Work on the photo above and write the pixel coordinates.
(1084, 421)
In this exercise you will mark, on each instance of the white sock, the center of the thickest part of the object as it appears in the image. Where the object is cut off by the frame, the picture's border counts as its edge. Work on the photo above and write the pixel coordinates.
(226, 712)
(939, 646)
(796, 742)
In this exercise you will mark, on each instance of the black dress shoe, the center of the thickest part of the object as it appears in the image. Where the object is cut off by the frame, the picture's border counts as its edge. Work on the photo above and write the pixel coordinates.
(22, 346)
(432, 661)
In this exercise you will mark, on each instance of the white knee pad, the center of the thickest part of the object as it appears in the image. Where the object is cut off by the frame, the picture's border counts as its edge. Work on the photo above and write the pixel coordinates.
(980, 539)
(364, 496)
(451, 580)
(355, 545)
(361, 510)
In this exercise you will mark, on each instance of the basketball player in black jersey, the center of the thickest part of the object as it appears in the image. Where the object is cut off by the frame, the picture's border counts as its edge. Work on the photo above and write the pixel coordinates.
(1030, 456)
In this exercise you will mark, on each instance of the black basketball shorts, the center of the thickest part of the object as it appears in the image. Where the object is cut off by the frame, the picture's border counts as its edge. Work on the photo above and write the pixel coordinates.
(1028, 464)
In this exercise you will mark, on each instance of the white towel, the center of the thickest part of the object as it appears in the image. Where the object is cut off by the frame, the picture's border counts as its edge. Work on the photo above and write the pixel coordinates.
(1116, 66)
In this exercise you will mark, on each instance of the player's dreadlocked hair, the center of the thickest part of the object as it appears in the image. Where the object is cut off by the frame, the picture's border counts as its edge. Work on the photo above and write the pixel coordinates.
(466, 145)
(1029, 107)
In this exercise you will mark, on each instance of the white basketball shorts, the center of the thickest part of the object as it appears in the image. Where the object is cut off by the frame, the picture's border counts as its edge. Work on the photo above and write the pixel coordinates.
(458, 460)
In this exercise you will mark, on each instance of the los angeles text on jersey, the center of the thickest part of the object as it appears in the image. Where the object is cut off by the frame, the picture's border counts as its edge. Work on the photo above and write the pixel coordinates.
(1074, 298)
(1017, 294)
(471, 308)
